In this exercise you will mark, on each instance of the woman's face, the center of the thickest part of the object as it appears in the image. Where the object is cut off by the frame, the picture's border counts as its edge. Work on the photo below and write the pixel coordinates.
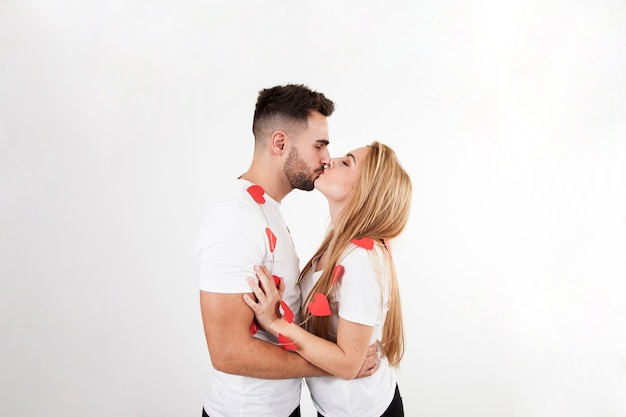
(337, 181)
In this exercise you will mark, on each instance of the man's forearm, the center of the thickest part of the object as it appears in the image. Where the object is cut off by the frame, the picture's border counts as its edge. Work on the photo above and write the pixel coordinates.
(234, 350)
(260, 359)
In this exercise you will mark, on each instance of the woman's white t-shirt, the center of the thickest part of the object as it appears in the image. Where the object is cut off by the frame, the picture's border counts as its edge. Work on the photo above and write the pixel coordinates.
(361, 296)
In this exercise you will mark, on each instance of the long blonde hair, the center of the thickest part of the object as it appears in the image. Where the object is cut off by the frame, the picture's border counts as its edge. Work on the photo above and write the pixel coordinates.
(379, 209)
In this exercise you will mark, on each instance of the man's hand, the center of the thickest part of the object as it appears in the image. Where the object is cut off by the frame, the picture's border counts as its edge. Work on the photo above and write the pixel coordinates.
(370, 363)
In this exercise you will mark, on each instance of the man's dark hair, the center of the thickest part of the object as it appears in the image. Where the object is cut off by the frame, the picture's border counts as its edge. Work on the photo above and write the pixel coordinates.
(289, 104)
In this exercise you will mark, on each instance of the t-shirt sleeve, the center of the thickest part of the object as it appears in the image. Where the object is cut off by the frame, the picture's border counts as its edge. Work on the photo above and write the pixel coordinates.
(229, 245)
(360, 296)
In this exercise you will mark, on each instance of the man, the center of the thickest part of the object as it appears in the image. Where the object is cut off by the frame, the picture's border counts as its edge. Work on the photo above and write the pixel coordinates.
(252, 373)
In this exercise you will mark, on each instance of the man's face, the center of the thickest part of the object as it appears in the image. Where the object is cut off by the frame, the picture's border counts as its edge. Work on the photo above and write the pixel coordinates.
(308, 154)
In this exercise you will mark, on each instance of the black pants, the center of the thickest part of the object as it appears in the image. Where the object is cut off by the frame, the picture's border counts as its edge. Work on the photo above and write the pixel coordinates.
(395, 409)
(296, 413)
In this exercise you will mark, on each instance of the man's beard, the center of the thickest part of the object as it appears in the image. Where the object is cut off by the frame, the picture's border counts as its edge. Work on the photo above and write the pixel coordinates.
(297, 172)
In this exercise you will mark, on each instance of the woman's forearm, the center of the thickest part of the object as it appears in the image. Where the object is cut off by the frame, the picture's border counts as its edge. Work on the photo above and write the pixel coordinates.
(342, 359)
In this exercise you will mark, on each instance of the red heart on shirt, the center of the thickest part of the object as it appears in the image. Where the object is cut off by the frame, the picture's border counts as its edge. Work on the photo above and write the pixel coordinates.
(271, 237)
(276, 280)
(256, 191)
(338, 273)
(365, 243)
(287, 312)
(254, 327)
(319, 306)
(286, 343)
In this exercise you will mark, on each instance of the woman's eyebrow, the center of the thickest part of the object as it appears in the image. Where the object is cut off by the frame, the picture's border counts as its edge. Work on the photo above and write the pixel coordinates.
(351, 156)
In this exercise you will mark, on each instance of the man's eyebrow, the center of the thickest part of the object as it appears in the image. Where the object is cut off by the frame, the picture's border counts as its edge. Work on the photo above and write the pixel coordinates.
(323, 141)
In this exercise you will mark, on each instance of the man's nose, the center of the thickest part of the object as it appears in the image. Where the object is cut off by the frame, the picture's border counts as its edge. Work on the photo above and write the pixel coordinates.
(326, 159)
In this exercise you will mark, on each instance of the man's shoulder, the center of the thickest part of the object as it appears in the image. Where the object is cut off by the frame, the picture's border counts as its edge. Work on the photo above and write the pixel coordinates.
(232, 194)
(233, 201)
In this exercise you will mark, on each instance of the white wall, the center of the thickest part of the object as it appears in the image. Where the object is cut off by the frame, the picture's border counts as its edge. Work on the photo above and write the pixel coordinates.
(118, 120)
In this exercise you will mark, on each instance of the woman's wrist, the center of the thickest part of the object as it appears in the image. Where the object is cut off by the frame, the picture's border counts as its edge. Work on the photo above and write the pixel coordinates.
(278, 326)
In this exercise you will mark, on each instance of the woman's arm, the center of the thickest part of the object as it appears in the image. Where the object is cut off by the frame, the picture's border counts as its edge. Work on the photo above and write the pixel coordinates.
(342, 359)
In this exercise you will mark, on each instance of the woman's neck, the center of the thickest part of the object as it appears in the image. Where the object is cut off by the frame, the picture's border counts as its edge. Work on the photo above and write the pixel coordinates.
(335, 210)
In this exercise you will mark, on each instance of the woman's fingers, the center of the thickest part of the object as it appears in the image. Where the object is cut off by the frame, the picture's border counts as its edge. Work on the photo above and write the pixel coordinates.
(266, 280)
(251, 303)
(254, 285)
(281, 287)
(266, 305)
(263, 286)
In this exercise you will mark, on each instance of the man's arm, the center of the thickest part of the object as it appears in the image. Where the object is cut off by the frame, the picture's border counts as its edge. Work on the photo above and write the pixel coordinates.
(233, 349)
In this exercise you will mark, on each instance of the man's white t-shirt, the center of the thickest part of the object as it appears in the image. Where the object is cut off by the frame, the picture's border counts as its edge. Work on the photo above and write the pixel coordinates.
(361, 296)
(233, 238)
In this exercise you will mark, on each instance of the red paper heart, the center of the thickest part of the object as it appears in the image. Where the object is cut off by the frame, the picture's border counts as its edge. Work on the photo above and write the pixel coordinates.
(254, 327)
(276, 280)
(365, 243)
(338, 273)
(271, 237)
(319, 306)
(286, 343)
(287, 312)
(256, 191)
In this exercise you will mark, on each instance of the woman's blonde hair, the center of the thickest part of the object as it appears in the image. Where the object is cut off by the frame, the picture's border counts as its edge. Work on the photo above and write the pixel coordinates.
(379, 209)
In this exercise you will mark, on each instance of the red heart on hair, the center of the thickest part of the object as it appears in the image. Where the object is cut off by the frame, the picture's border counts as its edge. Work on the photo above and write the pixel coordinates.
(256, 191)
(365, 243)
(287, 312)
(286, 343)
(319, 306)
(271, 237)
(338, 273)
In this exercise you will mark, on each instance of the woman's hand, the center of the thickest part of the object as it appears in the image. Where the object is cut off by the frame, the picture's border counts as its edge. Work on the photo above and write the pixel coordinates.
(268, 294)
(347, 359)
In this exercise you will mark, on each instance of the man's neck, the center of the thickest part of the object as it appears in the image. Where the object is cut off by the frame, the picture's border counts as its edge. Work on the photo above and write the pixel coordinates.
(269, 183)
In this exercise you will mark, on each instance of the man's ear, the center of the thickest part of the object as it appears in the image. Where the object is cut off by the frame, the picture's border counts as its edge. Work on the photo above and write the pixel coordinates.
(279, 140)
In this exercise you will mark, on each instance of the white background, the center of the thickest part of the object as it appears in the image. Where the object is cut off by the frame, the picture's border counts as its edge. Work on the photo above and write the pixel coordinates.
(119, 119)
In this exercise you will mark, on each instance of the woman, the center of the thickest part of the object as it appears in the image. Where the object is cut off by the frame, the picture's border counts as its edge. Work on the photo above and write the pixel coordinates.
(350, 287)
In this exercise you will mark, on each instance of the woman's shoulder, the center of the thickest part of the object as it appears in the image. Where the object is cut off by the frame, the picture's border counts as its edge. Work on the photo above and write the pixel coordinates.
(362, 253)
(364, 247)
